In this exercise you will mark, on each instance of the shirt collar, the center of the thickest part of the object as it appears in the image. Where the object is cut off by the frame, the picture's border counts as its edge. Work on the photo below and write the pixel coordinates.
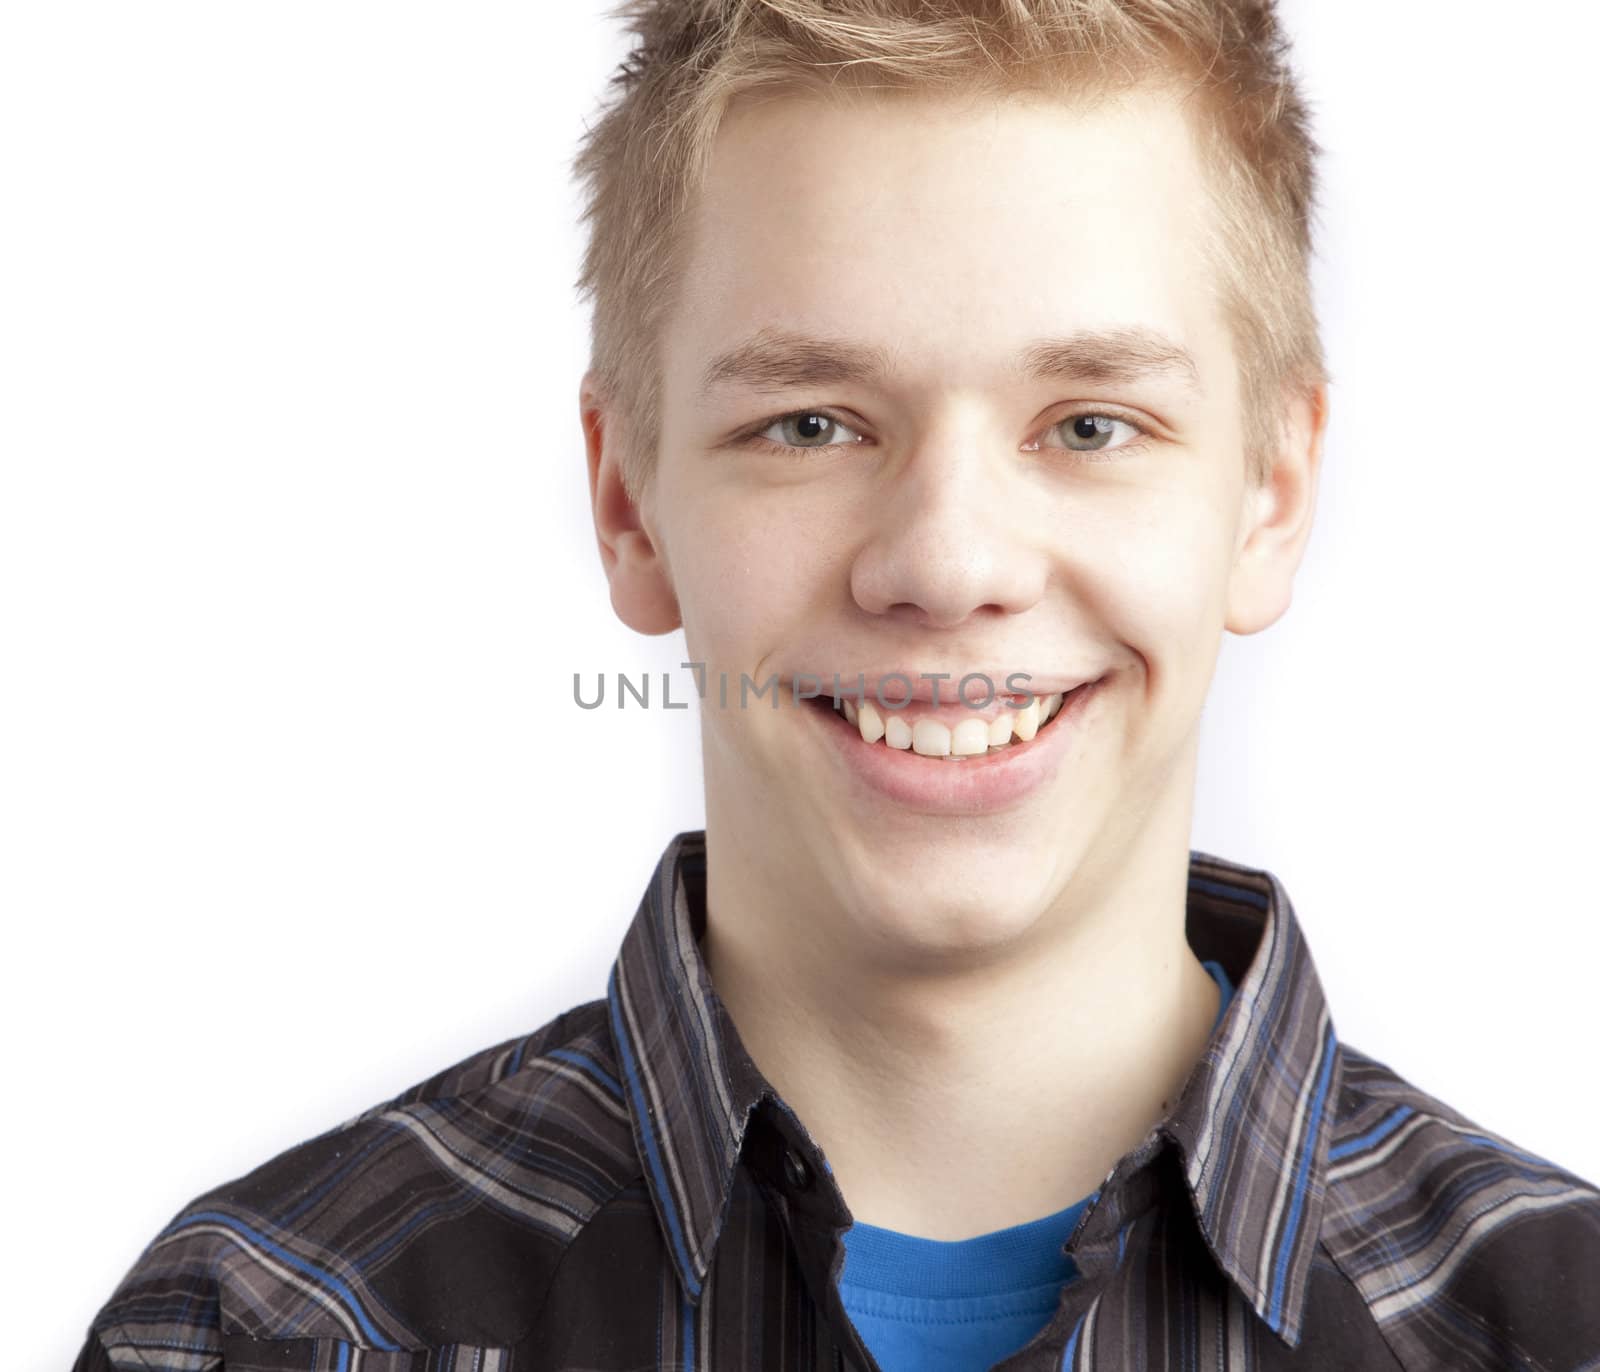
(1252, 1123)
(1255, 1117)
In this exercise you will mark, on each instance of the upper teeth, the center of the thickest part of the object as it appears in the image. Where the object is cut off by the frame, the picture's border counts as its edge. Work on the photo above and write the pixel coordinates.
(935, 738)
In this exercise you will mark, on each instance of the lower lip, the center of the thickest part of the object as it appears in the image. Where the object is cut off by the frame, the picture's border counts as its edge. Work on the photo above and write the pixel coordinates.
(975, 785)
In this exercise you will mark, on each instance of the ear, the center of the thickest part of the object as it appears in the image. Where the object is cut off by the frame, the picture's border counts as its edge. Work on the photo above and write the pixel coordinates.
(1277, 517)
(641, 588)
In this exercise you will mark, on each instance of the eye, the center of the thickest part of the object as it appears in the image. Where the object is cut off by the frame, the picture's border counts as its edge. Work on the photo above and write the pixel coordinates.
(806, 429)
(1090, 431)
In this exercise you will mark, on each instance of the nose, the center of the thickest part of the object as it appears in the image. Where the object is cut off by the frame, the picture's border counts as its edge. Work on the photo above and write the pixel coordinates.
(951, 539)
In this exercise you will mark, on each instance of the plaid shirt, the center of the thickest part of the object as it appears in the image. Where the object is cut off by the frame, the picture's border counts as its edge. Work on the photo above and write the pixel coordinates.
(621, 1189)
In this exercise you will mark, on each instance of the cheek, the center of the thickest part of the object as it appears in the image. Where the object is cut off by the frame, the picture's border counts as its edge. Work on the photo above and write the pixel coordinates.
(1156, 574)
(743, 577)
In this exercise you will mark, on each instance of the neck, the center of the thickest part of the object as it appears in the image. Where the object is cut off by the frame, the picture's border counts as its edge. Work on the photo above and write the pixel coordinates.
(954, 1102)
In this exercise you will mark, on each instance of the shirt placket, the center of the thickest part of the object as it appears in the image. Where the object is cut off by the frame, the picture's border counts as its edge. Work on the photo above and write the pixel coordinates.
(792, 1176)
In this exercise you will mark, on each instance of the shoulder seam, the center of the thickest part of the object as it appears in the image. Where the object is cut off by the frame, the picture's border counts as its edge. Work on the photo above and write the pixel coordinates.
(1355, 1286)
(566, 1252)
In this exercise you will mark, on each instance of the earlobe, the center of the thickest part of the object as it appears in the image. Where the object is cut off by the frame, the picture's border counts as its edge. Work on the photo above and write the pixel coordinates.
(1276, 518)
(641, 587)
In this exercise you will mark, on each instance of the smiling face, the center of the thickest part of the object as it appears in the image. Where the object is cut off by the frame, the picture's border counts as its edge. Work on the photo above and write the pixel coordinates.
(947, 390)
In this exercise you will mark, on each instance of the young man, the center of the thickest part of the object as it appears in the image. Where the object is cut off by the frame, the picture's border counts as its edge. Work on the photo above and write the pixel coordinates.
(938, 345)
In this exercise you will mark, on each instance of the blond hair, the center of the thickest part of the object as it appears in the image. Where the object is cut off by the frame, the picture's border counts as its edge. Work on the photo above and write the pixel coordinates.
(641, 162)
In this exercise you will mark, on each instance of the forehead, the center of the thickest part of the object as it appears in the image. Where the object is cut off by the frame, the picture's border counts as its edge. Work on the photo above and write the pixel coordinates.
(945, 230)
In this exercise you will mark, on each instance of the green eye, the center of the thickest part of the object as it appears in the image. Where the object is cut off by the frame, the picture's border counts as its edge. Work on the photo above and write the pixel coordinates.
(808, 429)
(1087, 432)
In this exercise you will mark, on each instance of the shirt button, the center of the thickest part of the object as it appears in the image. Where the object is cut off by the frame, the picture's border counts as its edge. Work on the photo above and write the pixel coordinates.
(794, 1167)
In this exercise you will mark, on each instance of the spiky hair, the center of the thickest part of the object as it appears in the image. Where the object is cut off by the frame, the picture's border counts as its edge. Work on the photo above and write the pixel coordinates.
(641, 162)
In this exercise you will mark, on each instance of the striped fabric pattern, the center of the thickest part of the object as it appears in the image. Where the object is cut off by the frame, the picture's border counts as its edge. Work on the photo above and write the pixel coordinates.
(622, 1189)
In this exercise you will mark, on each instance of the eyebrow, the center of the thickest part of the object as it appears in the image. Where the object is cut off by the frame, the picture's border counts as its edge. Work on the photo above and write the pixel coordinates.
(777, 359)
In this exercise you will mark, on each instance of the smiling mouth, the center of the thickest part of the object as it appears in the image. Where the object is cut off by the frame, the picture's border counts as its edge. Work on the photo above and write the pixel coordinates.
(903, 729)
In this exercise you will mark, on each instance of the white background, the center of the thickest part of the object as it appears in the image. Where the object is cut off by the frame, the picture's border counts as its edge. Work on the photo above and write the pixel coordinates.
(296, 566)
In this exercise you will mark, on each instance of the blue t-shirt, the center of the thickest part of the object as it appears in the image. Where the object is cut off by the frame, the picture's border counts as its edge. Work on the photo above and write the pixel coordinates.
(926, 1305)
